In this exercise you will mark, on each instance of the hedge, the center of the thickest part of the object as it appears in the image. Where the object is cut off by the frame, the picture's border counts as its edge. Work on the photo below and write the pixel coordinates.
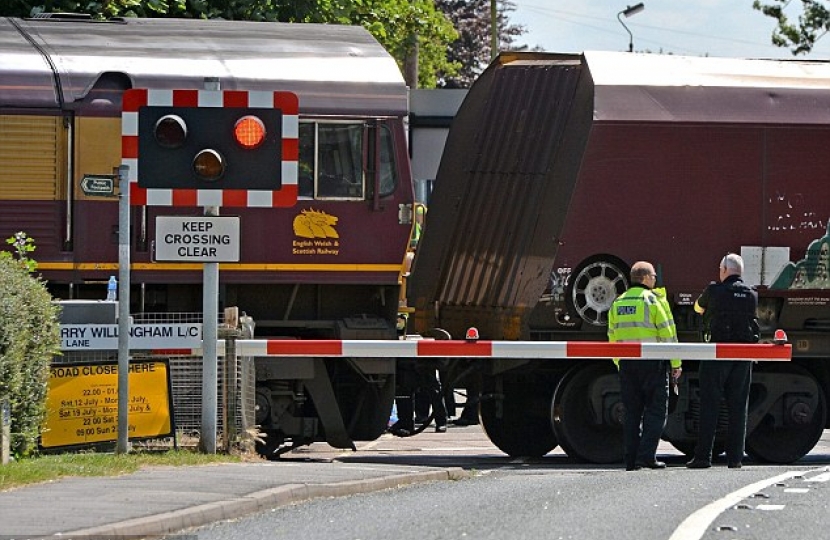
(29, 337)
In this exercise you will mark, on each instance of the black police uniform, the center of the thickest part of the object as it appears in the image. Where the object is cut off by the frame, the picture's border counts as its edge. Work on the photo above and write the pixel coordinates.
(731, 318)
(417, 375)
(644, 388)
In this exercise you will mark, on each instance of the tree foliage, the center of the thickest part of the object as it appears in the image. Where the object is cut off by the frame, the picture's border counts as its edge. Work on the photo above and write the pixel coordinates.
(392, 22)
(800, 37)
(29, 337)
(472, 49)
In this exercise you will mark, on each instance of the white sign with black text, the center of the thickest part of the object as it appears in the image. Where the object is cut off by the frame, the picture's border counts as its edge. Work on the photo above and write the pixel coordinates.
(75, 337)
(197, 239)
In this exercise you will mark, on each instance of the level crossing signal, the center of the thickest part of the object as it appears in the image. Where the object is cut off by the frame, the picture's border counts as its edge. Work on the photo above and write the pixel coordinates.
(234, 148)
(210, 148)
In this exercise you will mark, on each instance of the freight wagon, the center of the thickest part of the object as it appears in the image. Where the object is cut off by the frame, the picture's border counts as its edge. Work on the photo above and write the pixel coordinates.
(560, 171)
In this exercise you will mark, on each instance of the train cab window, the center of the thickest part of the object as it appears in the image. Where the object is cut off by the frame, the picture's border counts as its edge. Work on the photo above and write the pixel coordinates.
(332, 159)
(387, 170)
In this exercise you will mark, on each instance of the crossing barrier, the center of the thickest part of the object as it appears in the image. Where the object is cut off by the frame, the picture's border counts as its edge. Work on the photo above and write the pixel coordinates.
(427, 348)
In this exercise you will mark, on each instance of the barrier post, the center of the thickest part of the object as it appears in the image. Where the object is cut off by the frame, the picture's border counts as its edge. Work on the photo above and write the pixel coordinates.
(230, 381)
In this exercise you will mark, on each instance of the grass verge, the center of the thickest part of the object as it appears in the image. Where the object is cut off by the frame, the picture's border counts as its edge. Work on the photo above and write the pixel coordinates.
(47, 468)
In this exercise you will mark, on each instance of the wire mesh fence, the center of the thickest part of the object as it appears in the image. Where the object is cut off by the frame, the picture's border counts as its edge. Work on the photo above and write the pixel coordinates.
(236, 381)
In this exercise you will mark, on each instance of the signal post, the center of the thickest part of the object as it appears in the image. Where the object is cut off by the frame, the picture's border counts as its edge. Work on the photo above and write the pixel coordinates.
(209, 148)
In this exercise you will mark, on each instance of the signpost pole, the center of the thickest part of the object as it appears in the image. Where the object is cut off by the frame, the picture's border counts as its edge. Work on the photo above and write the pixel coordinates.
(210, 306)
(210, 331)
(122, 445)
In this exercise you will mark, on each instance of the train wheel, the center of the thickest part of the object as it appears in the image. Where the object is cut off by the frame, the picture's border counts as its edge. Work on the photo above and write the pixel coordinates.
(594, 285)
(514, 415)
(365, 407)
(587, 414)
(791, 434)
(268, 441)
(268, 444)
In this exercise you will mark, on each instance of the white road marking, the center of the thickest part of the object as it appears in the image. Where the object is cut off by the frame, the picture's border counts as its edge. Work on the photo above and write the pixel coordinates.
(460, 449)
(819, 478)
(770, 506)
(696, 525)
(796, 490)
(368, 446)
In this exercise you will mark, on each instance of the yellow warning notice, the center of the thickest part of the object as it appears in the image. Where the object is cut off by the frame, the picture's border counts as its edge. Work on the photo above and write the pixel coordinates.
(82, 403)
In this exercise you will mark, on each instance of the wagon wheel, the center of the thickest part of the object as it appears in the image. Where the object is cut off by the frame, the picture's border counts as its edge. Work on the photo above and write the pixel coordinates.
(594, 285)
(587, 414)
(514, 415)
(791, 434)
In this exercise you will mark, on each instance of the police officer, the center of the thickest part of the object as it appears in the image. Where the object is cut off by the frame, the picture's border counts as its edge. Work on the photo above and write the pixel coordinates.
(416, 376)
(639, 315)
(728, 307)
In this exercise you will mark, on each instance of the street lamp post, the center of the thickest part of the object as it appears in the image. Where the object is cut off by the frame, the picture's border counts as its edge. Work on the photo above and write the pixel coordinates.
(494, 30)
(628, 12)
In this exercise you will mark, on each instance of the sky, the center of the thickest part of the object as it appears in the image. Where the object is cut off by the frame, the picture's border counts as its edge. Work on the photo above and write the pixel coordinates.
(729, 28)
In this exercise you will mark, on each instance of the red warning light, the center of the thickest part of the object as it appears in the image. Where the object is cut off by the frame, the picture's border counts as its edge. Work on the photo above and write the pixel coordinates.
(779, 337)
(249, 132)
(472, 334)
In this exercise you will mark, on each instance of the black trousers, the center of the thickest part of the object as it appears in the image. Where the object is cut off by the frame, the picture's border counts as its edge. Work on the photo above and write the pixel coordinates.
(415, 376)
(727, 380)
(645, 395)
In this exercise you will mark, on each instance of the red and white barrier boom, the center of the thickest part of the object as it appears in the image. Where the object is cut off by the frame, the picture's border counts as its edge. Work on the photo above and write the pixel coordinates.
(509, 349)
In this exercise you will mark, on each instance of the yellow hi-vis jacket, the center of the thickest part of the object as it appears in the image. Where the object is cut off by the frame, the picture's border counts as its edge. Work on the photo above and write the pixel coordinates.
(642, 315)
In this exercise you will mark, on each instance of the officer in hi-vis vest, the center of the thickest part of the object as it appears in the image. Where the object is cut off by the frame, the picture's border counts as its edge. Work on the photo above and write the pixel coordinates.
(640, 315)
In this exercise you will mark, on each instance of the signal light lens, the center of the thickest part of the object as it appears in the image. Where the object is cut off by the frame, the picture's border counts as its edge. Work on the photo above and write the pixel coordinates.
(249, 132)
(170, 131)
(209, 165)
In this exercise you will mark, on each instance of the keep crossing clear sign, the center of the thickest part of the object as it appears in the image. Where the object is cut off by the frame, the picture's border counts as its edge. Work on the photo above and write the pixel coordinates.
(197, 239)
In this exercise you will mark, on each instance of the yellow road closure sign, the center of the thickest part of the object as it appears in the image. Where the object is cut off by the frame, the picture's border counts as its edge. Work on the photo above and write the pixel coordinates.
(82, 403)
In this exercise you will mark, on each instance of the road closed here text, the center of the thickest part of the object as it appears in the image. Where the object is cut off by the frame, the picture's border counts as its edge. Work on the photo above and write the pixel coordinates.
(82, 403)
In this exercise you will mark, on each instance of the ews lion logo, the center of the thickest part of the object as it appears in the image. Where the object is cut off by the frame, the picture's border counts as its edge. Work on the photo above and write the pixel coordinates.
(315, 224)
